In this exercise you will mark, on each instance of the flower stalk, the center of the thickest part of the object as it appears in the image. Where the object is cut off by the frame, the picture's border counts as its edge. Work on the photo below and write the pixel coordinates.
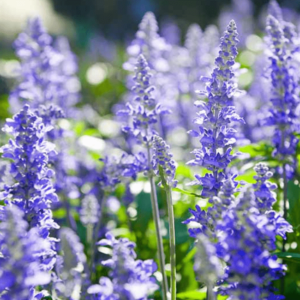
(164, 167)
(172, 241)
(155, 211)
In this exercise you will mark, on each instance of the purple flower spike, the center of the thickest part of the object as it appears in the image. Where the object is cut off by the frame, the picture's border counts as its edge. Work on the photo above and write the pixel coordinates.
(144, 112)
(285, 101)
(216, 135)
(32, 190)
(47, 74)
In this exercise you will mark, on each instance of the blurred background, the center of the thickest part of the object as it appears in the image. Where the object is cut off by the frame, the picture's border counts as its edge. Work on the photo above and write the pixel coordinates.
(100, 30)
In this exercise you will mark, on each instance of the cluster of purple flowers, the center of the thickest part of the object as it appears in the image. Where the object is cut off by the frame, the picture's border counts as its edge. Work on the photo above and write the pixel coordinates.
(241, 231)
(214, 131)
(248, 237)
(32, 190)
(285, 101)
(145, 112)
(47, 73)
(130, 278)
(21, 252)
(245, 229)
(47, 81)
(116, 169)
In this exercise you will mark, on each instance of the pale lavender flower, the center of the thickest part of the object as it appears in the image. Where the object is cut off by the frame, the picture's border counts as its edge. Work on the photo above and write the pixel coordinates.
(130, 278)
(70, 265)
(21, 253)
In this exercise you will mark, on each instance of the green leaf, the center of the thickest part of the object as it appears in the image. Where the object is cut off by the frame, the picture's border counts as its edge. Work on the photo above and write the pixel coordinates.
(78, 128)
(197, 295)
(184, 171)
(190, 255)
(247, 176)
(290, 256)
(92, 132)
(144, 212)
(259, 149)
(192, 295)
(181, 231)
(186, 192)
(59, 213)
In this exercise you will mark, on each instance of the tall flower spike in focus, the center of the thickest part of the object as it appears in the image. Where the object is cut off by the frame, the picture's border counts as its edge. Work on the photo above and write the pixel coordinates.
(215, 132)
(32, 191)
(130, 278)
(21, 251)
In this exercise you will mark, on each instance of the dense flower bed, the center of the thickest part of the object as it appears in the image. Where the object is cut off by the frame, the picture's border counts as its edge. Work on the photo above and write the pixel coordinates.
(195, 194)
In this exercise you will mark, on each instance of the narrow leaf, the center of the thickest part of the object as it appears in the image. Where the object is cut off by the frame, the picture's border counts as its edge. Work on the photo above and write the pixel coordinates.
(290, 256)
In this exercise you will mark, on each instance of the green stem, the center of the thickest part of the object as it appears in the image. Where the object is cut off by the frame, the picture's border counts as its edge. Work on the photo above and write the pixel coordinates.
(161, 256)
(172, 242)
(95, 234)
(128, 220)
(210, 295)
(285, 212)
(90, 242)
(285, 199)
